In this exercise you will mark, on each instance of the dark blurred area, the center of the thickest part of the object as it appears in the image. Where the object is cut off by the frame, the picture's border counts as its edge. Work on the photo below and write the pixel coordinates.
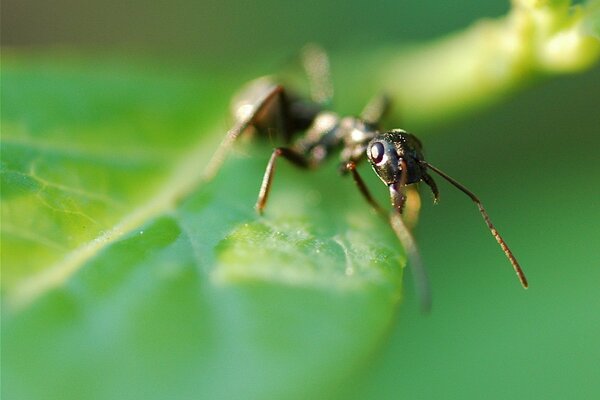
(219, 32)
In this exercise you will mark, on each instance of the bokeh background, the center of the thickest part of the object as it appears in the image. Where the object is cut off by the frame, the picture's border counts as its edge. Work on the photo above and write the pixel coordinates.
(224, 32)
(533, 160)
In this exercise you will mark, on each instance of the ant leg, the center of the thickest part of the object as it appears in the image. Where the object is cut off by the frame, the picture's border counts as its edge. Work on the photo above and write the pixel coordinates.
(487, 220)
(397, 194)
(289, 154)
(351, 166)
(432, 185)
(413, 206)
(218, 157)
(421, 281)
(316, 65)
(376, 109)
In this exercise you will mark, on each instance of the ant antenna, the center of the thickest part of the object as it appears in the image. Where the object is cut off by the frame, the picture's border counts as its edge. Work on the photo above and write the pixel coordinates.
(486, 218)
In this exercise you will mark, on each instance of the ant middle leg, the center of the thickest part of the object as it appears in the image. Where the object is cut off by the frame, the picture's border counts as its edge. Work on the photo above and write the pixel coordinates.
(265, 187)
(364, 190)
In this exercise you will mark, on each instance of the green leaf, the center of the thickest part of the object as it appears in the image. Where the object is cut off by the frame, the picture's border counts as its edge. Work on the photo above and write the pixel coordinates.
(126, 276)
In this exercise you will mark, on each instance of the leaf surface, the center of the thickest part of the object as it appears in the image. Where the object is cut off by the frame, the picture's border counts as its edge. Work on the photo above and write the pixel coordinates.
(126, 276)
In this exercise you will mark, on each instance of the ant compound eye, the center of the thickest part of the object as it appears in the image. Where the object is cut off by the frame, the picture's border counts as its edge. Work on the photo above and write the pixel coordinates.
(377, 152)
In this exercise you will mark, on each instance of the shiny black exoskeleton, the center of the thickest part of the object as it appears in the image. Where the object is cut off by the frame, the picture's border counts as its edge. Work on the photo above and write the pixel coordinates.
(387, 149)
(395, 155)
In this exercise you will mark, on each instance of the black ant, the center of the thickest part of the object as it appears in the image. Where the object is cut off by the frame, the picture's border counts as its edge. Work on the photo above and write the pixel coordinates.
(395, 155)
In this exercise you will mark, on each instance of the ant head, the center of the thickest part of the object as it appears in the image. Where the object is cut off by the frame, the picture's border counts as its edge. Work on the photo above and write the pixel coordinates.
(384, 159)
(387, 149)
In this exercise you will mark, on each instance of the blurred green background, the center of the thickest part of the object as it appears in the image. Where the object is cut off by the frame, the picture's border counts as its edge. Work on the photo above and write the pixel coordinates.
(238, 32)
(533, 160)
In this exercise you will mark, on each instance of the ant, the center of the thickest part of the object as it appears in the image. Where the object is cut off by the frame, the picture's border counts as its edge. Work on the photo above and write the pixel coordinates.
(395, 155)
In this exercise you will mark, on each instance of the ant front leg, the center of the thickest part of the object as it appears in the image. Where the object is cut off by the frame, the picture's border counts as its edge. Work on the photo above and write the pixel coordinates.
(213, 166)
(397, 189)
(398, 199)
(287, 153)
(432, 185)
(412, 207)
(419, 272)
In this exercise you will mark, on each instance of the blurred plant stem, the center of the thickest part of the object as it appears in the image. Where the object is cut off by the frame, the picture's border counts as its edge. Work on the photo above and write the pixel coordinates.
(479, 65)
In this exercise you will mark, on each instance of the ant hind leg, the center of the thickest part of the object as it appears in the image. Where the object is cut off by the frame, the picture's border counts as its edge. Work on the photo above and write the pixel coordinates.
(316, 64)
(376, 109)
(217, 159)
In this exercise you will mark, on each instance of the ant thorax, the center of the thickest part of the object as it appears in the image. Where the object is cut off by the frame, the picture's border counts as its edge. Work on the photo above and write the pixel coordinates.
(329, 132)
(356, 134)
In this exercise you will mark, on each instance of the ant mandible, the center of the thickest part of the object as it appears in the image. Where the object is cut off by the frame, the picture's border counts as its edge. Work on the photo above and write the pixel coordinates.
(395, 155)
